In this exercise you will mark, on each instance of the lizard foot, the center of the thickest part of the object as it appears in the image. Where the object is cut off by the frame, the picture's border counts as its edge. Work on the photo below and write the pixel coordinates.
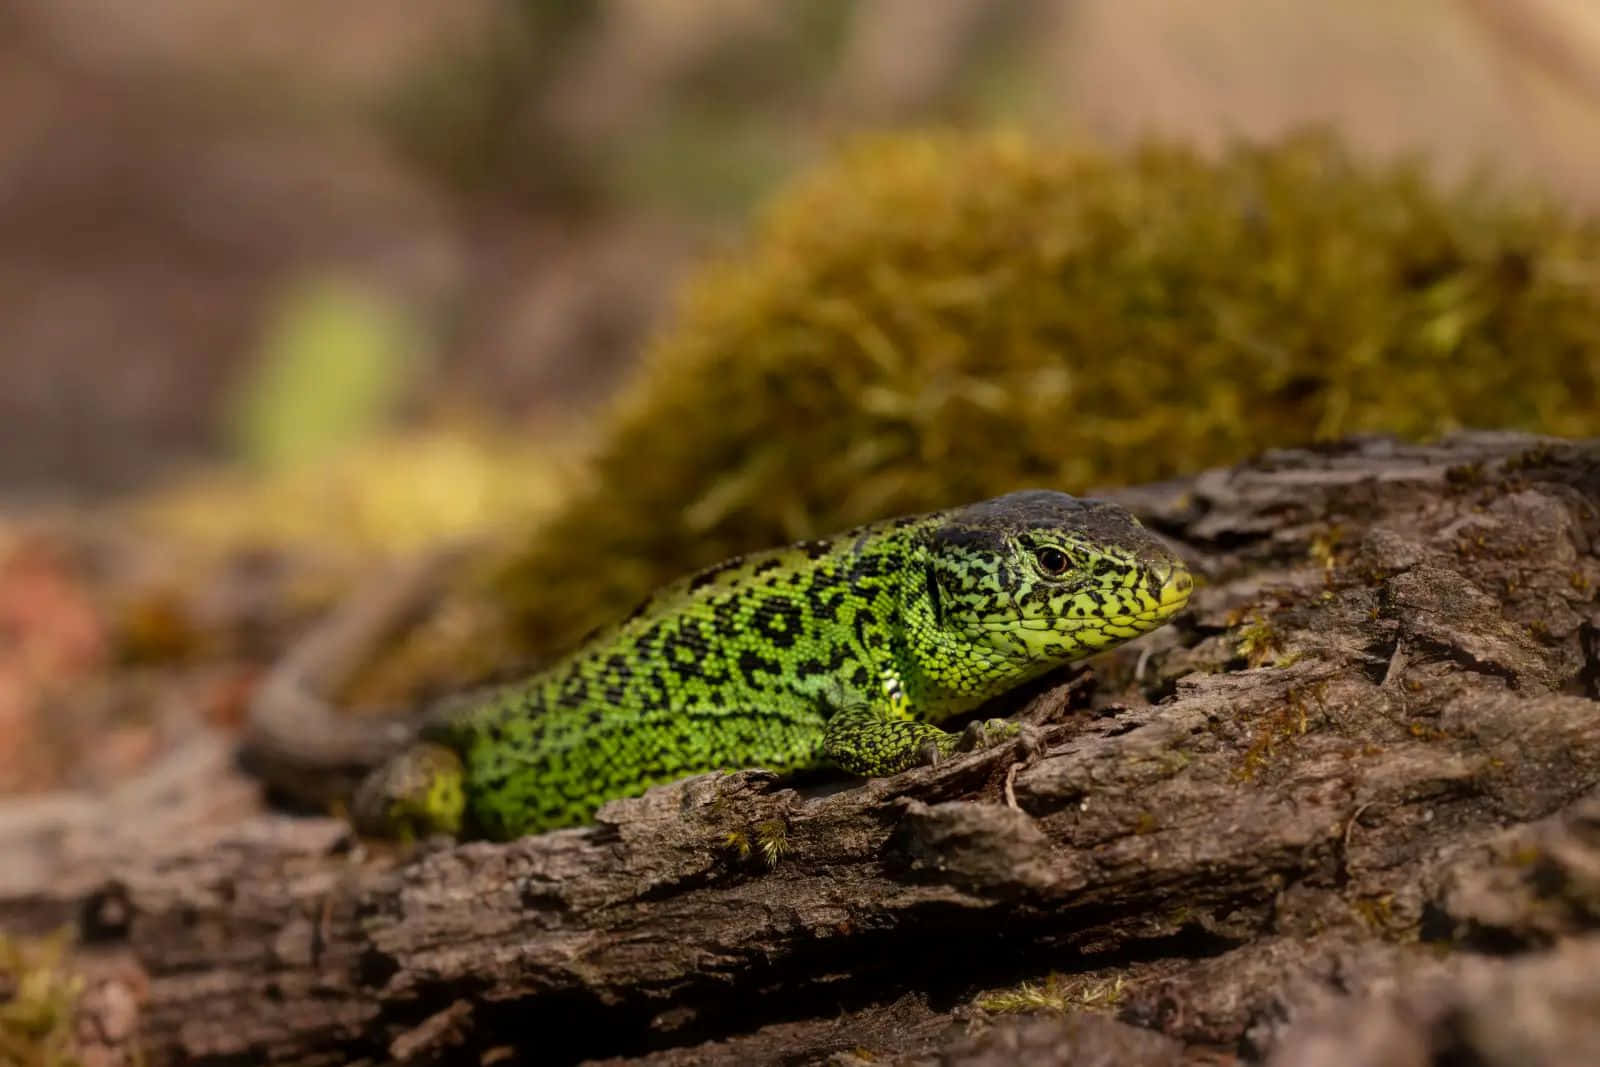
(986, 733)
(416, 794)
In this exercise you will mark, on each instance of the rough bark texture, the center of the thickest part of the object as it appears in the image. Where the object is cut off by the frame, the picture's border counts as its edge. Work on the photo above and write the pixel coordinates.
(1346, 810)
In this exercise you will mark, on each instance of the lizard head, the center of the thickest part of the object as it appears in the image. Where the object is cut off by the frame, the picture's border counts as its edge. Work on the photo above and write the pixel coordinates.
(1044, 577)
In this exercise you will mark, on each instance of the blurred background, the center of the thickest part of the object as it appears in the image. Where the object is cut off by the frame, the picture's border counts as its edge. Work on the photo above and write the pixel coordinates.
(290, 288)
(478, 209)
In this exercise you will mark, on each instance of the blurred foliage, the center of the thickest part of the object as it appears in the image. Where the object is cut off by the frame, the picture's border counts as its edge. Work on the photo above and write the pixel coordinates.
(706, 140)
(334, 362)
(387, 495)
(705, 164)
(38, 996)
(470, 115)
(938, 319)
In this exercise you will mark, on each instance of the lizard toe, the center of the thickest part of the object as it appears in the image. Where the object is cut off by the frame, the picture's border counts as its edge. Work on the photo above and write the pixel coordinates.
(986, 733)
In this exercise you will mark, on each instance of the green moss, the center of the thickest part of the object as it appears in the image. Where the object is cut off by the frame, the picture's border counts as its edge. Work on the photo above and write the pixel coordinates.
(1280, 729)
(1057, 995)
(772, 841)
(1377, 912)
(1258, 642)
(38, 997)
(768, 839)
(932, 320)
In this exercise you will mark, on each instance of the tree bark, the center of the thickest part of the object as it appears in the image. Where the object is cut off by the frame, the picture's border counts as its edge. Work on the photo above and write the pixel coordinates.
(1346, 809)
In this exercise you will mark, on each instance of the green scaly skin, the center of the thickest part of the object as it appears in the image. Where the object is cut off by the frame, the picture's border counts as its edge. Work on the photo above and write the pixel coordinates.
(847, 650)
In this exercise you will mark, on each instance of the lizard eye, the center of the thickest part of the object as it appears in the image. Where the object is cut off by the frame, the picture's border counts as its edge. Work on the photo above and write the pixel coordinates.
(1052, 561)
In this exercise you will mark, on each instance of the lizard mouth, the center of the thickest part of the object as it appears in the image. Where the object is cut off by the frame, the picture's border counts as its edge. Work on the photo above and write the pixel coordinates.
(1123, 611)
(1173, 593)
(1166, 594)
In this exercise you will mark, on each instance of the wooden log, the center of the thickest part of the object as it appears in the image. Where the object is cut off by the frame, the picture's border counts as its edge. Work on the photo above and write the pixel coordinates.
(1359, 779)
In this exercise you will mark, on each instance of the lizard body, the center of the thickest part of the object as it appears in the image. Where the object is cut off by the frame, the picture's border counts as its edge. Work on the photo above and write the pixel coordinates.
(847, 650)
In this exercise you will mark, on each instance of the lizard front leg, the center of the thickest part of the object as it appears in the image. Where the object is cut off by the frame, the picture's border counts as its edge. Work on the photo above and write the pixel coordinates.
(419, 792)
(874, 742)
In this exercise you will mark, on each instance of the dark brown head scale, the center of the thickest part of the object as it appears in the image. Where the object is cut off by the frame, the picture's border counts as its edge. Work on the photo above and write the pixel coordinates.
(994, 523)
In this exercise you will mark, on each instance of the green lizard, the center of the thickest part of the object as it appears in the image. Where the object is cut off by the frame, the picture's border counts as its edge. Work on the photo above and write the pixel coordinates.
(846, 650)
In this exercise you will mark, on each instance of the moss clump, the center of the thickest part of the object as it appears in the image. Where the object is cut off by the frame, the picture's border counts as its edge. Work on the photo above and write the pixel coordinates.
(38, 996)
(1056, 996)
(768, 839)
(935, 320)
